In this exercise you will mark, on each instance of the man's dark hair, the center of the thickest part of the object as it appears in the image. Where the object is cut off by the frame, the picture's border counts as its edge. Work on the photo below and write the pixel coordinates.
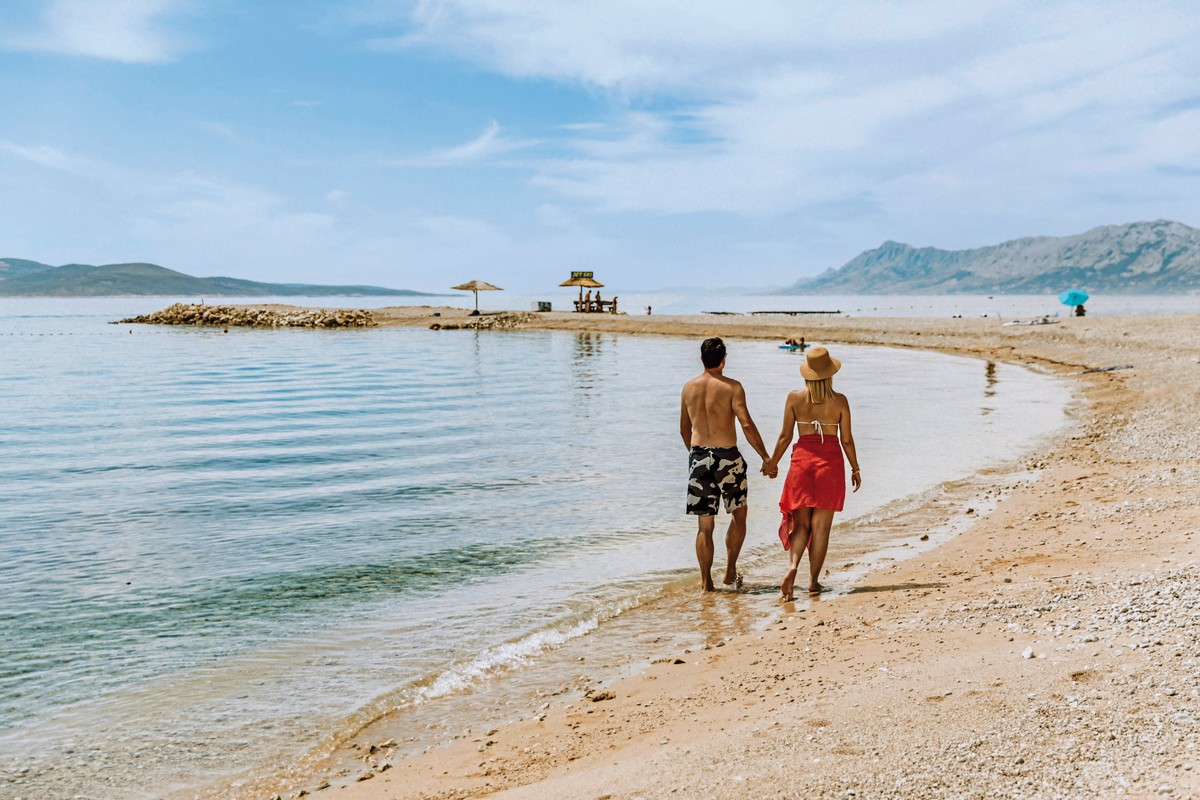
(712, 352)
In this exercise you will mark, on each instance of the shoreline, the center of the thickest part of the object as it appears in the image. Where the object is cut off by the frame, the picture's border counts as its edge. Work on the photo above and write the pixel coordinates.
(1103, 706)
(917, 683)
(1039, 601)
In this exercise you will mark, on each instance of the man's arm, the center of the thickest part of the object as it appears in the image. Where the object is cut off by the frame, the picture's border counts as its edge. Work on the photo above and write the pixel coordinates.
(748, 427)
(685, 424)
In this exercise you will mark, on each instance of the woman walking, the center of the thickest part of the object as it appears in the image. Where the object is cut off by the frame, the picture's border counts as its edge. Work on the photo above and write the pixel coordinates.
(815, 487)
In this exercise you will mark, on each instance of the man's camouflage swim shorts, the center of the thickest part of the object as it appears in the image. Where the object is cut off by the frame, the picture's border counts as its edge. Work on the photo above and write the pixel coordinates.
(716, 473)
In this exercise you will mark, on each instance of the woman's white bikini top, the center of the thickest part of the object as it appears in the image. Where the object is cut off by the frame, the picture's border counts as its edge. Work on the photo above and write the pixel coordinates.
(816, 423)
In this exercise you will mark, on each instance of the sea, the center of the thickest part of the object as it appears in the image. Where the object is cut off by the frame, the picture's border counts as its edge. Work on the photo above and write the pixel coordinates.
(225, 556)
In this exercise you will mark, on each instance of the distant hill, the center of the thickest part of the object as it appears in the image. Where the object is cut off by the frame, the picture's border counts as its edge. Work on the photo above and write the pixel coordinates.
(21, 278)
(16, 267)
(1139, 258)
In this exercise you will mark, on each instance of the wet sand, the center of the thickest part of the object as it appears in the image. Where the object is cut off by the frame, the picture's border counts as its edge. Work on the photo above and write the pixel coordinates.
(1050, 650)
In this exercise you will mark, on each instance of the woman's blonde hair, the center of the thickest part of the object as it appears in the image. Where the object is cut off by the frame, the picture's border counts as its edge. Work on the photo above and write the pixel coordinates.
(819, 391)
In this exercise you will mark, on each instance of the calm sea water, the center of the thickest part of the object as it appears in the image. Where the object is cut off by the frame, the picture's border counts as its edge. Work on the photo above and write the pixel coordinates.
(220, 552)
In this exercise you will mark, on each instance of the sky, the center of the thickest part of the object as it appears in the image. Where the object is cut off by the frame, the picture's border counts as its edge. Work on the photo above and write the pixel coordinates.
(658, 143)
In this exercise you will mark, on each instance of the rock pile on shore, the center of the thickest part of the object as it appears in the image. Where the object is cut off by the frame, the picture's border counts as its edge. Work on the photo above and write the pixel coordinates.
(505, 320)
(256, 317)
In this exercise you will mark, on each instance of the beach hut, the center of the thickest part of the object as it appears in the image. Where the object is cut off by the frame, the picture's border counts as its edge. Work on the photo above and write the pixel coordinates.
(582, 279)
(477, 287)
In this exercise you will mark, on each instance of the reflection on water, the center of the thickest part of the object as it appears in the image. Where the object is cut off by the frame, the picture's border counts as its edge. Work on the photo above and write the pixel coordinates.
(588, 346)
(587, 352)
(989, 389)
(720, 617)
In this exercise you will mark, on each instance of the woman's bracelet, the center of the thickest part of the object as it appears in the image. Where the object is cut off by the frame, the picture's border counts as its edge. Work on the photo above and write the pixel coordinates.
(855, 471)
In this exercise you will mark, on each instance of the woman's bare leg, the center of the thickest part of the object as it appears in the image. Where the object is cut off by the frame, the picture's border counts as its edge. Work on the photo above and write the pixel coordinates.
(801, 528)
(818, 545)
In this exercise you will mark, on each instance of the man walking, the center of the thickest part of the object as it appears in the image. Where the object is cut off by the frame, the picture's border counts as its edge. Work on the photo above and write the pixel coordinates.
(708, 406)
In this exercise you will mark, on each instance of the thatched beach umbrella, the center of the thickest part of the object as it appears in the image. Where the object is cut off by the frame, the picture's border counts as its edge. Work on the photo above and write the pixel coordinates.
(477, 287)
(582, 279)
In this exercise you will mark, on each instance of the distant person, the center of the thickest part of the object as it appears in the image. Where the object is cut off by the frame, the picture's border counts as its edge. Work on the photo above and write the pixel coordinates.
(708, 406)
(815, 487)
(1080, 311)
(648, 309)
(587, 301)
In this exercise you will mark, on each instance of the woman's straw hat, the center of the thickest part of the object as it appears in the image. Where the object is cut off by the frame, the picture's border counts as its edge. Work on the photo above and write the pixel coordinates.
(819, 364)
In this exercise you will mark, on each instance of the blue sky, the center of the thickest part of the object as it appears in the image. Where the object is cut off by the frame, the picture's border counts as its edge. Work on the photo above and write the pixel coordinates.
(659, 143)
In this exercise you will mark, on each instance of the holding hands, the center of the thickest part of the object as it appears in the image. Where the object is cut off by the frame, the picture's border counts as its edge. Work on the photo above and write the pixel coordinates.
(770, 468)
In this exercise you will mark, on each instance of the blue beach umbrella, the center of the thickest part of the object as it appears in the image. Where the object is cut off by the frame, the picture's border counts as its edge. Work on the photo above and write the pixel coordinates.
(1073, 297)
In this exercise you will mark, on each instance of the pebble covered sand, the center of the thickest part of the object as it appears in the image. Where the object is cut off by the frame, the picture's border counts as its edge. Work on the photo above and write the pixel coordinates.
(1052, 650)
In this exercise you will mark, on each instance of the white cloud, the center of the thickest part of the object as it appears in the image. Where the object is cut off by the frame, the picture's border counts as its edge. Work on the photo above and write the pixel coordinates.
(486, 145)
(129, 31)
(42, 155)
(633, 45)
(772, 108)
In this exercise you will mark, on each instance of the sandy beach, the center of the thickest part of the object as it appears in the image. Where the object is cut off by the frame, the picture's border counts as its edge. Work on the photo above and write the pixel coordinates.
(1050, 650)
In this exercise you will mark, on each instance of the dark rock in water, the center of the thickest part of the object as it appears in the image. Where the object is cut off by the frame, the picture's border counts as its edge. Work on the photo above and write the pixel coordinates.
(200, 314)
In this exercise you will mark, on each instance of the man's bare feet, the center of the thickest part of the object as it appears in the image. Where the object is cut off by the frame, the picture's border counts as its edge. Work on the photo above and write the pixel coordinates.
(787, 587)
(732, 576)
(815, 588)
(706, 584)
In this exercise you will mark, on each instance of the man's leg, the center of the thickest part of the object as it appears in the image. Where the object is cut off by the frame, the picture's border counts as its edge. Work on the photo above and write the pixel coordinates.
(822, 521)
(734, 537)
(704, 550)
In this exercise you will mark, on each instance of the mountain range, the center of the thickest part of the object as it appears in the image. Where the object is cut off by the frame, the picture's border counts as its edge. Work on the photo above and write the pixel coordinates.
(23, 278)
(1157, 257)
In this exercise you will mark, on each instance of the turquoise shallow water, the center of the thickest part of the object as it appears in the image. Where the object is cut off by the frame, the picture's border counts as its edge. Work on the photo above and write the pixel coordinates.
(217, 550)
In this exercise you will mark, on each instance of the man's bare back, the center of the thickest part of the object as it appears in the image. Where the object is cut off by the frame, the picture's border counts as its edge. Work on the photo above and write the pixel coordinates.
(708, 404)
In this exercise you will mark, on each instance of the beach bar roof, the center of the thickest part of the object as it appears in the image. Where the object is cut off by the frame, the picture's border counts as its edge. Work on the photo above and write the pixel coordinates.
(582, 279)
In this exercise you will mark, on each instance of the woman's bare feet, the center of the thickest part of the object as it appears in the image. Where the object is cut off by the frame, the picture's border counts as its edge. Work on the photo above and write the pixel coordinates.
(815, 588)
(788, 586)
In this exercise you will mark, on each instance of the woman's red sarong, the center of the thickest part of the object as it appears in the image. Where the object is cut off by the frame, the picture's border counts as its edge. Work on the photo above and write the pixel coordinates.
(815, 479)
